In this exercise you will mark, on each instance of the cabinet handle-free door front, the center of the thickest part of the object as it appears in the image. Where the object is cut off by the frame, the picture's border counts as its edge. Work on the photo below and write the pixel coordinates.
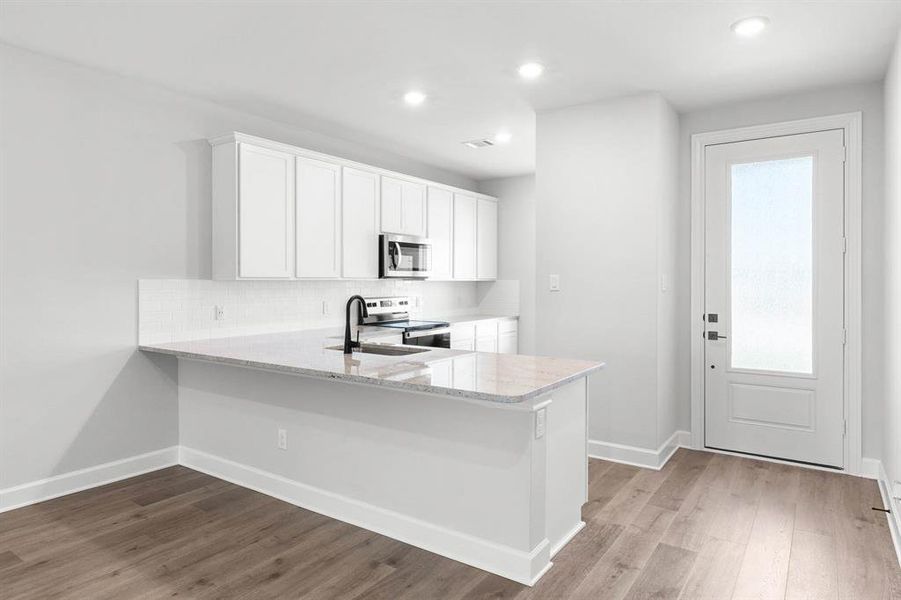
(318, 218)
(265, 207)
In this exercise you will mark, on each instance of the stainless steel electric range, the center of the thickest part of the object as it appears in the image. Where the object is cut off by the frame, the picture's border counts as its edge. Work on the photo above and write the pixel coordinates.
(393, 312)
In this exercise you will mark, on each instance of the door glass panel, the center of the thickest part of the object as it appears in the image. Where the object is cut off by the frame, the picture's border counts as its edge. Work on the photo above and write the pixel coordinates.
(772, 265)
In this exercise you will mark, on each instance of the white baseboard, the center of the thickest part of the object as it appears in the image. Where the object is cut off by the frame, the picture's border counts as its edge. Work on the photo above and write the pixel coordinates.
(885, 489)
(640, 457)
(567, 538)
(520, 566)
(869, 468)
(76, 481)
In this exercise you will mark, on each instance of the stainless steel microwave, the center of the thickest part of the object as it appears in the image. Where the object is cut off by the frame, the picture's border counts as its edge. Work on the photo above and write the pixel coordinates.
(404, 257)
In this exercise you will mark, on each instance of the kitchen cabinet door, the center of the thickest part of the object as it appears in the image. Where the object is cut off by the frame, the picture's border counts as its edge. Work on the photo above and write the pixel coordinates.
(465, 215)
(318, 218)
(392, 205)
(486, 336)
(465, 371)
(486, 244)
(360, 218)
(486, 344)
(463, 336)
(413, 210)
(441, 231)
(508, 343)
(265, 213)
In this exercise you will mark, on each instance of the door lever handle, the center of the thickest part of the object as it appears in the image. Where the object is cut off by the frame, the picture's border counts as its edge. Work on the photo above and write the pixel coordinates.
(714, 336)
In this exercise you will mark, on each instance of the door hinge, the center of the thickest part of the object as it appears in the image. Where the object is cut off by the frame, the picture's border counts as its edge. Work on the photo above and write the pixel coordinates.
(844, 336)
(844, 245)
(844, 154)
(845, 427)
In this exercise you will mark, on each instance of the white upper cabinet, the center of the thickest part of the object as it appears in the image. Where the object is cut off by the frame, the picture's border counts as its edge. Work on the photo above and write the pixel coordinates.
(440, 232)
(318, 218)
(403, 207)
(254, 208)
(282, 212)
(486, 244)
(414, 213)
(465, 218)
(360, 190)
(392, 205)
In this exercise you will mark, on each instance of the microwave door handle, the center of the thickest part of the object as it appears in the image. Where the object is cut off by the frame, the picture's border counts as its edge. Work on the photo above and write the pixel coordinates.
(396, 260)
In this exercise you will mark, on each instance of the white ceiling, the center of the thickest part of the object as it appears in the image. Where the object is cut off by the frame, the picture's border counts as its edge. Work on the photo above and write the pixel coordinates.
(341, 67)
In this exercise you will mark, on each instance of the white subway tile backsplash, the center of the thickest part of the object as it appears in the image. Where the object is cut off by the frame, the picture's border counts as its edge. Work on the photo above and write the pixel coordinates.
(182, 309)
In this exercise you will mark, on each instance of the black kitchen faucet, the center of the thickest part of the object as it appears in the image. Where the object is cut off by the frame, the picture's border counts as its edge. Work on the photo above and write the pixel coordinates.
(349, 344)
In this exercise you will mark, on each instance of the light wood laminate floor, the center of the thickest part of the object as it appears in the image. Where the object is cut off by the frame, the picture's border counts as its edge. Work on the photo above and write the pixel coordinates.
(706, 526)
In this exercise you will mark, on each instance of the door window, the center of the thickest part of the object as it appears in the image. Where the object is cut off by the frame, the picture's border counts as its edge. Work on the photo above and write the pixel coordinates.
(772, 265)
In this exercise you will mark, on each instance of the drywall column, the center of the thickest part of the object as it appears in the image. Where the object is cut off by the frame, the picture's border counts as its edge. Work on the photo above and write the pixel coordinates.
(606, 195)
(891, 422)
(516, 245)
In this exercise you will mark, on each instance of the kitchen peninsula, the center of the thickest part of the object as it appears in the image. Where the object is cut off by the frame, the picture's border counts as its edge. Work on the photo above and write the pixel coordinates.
(480, 457)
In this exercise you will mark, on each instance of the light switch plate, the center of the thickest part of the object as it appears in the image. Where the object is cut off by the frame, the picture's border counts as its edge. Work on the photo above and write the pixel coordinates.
(554, 283)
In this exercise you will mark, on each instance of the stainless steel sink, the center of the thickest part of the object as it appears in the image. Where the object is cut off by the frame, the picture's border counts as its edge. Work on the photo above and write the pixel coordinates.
(382, 349)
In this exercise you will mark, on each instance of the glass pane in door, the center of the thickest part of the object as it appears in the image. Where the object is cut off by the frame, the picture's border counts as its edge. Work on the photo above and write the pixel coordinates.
(772, 265)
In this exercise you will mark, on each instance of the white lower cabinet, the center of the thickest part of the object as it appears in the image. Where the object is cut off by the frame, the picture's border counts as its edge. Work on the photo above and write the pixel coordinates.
(463, 336)
(486, 336)
(508, 343)
(464, 372)
(508, 336)
(442, 373)
(489, 335)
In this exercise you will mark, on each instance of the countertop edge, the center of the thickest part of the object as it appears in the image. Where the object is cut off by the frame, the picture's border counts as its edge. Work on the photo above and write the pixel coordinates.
(400, 385)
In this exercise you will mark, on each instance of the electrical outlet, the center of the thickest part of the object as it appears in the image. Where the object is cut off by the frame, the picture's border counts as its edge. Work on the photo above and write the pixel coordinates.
(554, 283)
(219, 312)
(282, 439)
(540, 423)
(325, 307)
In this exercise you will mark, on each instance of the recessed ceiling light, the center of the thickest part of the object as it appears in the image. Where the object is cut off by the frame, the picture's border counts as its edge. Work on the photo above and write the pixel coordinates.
(503, 137)
(414, 98)
(531, 70)
(750, 27)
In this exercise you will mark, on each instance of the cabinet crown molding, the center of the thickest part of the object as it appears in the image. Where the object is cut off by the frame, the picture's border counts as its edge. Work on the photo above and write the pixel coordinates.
(238, 137)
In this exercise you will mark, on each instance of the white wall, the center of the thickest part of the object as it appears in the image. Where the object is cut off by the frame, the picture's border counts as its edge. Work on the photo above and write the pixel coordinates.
(891, 422)
(866, 98)
(605, 197)
(104, 181)
(516, 245)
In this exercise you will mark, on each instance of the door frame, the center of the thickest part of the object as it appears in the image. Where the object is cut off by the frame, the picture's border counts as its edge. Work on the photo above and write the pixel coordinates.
(851, 124)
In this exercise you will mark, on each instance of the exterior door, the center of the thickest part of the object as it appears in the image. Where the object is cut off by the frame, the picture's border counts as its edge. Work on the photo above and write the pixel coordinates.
(774, 277)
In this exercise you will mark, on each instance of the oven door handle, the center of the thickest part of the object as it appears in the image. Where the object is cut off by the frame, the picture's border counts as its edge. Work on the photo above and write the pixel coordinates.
(408, 335)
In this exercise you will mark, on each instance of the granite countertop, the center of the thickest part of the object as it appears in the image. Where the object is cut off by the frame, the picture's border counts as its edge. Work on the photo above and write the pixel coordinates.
(472, 318)
(504, 378)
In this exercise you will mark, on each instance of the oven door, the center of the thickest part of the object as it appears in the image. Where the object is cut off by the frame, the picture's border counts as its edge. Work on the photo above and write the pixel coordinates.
(404, 257)
(434, 338)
